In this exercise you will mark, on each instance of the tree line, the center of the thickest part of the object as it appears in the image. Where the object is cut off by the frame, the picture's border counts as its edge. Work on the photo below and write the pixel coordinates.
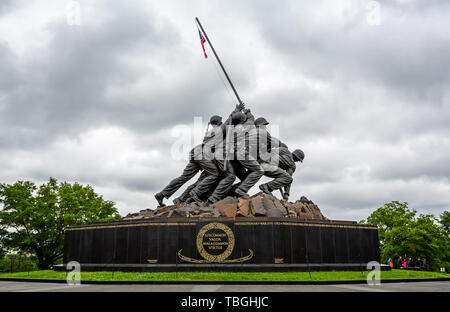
(33, 220)
(402, 232)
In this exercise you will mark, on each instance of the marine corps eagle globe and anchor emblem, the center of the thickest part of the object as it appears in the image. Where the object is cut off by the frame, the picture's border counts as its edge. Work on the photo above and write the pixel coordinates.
(215, 243)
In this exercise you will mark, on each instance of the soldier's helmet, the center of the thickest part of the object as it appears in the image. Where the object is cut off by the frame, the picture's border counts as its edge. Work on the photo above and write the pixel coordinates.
(215, 120)
(238, 118)
(298, 155)
(261, 121)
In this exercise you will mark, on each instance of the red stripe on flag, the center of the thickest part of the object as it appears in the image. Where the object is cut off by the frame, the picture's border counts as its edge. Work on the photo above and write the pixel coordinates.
(202, 41)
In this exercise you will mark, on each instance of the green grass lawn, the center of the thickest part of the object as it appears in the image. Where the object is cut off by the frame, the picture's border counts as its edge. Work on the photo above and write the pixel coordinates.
(228, 276)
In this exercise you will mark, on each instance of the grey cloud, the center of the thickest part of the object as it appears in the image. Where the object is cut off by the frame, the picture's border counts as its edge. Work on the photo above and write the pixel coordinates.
(9, 78)
(5, 5)
(406, 54)
(423, 164)
(61, 93)
(383, 86)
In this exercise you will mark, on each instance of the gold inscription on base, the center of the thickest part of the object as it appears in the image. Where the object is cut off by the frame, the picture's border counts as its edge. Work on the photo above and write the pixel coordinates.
(215, 236)
(215, 243)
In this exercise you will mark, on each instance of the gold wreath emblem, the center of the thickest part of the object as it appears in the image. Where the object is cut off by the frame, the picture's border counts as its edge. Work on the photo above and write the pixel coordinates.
(221, 258)
(201, 249)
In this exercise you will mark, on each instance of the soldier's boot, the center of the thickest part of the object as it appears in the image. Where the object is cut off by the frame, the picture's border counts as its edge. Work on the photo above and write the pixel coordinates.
(196, 198)
(211, 200)
(189, 200)
(160, 197)
(193, 198)
(240, 193)
(265, 189)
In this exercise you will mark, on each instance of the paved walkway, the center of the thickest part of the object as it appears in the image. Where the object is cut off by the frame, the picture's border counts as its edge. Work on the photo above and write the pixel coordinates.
(442, 286)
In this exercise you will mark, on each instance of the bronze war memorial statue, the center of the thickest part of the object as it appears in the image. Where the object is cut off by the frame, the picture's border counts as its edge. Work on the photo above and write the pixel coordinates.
(215, 224)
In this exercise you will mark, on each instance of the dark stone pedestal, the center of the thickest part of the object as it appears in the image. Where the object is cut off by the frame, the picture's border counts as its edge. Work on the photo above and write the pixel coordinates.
(256, 244)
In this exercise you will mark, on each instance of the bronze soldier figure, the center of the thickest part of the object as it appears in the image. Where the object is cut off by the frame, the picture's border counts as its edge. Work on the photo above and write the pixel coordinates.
(245, 150)
(213, 147)
(281, 160)
(196, 163)
(268, 147)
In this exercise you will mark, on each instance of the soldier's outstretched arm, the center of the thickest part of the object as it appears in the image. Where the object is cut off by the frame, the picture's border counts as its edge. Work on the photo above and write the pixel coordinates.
(287, 188)
(239, 108)
(228, 121)
(275, 142)
(249, 115)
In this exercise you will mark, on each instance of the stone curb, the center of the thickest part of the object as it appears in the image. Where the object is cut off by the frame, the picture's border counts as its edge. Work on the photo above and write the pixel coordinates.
(40, 280)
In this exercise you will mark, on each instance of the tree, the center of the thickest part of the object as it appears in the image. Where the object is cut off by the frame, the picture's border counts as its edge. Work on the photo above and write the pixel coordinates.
(445, 221)
(3, 234)
(392, 215)
(36, 217)
(402, 233)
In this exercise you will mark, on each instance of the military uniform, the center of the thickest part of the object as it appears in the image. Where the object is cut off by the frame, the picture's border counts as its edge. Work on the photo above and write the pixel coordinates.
(214, 145)
(268, 148)
(245, 152)
(197, 163)
(265, 143)
(213, 149)
(225, 183)
(281, 167)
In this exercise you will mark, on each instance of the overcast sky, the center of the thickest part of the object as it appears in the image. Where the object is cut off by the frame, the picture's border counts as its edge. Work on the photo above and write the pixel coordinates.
(362, 87)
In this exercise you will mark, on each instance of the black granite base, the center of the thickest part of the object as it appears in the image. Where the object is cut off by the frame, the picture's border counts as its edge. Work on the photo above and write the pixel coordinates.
(252, 245)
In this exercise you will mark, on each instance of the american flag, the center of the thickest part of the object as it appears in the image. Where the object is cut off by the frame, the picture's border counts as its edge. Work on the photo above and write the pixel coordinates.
(202, 41)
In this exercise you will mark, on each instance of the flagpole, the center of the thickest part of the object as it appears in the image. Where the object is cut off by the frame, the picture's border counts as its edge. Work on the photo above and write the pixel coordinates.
(218, 60)
(232, 87)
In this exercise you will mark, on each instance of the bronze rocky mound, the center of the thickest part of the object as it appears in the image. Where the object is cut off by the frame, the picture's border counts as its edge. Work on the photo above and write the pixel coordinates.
(258, 205)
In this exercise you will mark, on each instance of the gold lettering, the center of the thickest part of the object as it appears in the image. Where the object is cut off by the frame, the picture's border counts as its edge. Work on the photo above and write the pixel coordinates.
(215, 247)
(215, 243)
(215, 239)
(215, 235)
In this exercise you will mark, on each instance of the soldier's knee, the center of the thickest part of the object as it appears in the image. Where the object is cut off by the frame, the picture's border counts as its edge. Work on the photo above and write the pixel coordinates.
(214, 178)
(289, 179)
(230, 177)
(230, 174)
(260, 171)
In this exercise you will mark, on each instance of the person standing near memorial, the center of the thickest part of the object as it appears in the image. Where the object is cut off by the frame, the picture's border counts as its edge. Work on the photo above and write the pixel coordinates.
(400, 262)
